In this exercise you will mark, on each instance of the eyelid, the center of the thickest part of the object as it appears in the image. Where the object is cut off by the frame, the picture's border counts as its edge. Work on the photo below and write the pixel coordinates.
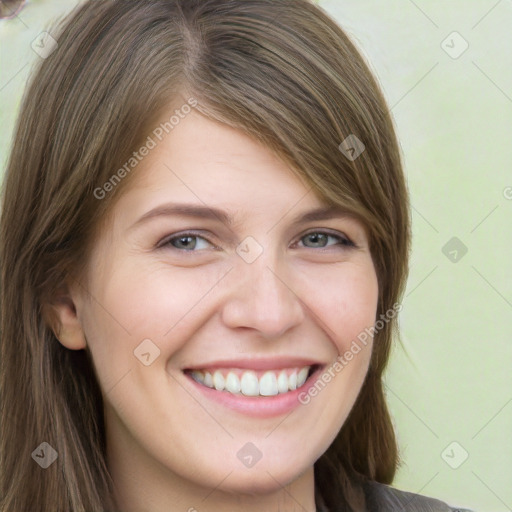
(164, 242)
(329, 232)
(347, 241)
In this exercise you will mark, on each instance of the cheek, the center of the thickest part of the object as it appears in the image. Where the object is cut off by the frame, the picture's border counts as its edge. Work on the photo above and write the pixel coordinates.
(343, 300)
(358, 306)
(155, 300)
(134, 304)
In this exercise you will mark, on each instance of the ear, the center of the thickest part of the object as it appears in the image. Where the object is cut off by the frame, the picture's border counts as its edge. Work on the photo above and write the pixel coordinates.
(63, 319)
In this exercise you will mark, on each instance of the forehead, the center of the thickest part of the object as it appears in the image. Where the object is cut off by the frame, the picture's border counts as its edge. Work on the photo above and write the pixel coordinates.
(210, 163)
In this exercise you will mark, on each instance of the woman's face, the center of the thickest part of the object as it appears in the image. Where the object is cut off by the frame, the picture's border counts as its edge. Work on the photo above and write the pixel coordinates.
(207, 266)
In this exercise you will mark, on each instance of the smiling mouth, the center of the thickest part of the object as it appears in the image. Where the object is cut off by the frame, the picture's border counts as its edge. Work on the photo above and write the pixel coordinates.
(252, 383)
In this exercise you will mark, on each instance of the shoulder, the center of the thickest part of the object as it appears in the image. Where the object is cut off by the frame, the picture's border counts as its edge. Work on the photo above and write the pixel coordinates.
(383, 498)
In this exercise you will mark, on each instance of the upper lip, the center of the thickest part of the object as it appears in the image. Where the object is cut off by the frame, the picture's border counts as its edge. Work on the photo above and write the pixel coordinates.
(273, 363)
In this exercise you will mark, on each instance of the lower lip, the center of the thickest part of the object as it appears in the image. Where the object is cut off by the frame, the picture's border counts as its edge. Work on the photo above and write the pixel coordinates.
(258, 406)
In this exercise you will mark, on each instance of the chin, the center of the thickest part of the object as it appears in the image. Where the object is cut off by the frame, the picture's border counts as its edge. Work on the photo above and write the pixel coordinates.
(261, 482)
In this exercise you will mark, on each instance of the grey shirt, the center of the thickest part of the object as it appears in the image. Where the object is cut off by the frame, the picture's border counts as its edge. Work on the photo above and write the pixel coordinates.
(383, 498)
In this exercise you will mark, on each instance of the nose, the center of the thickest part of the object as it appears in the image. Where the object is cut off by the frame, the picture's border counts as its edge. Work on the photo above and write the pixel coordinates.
(262, 298)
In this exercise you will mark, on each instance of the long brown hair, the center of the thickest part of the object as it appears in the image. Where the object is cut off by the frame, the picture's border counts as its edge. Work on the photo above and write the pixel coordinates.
(280, 70)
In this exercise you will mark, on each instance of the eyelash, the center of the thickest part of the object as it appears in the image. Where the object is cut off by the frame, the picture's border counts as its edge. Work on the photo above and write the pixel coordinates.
(344, 241)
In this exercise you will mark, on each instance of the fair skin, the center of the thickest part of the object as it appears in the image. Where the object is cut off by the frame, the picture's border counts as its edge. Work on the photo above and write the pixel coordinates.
(173, 444)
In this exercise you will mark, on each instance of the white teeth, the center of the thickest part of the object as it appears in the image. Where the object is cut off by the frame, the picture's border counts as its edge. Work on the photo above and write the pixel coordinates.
(208, 380)
(282, 382)
(218, 381)
(232, 383)
(197, 376)
(250, 385)
(292, 381)
(302, 376)
(270, 383)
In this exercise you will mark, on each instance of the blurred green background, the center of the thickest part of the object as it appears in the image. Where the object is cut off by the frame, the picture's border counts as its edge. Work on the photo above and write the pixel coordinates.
(446, 70)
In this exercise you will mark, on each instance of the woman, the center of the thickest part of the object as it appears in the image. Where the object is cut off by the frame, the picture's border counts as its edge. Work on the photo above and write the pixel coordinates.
(204, 238)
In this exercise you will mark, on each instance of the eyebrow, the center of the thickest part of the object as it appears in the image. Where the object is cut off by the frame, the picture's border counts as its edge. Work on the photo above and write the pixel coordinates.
(216, 214)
